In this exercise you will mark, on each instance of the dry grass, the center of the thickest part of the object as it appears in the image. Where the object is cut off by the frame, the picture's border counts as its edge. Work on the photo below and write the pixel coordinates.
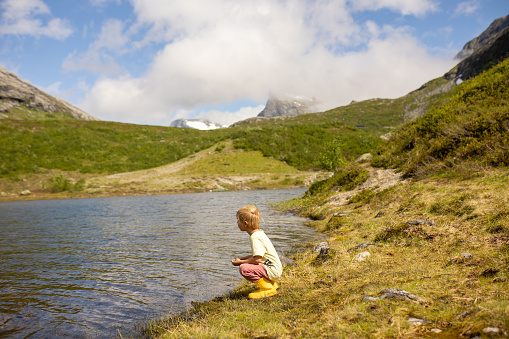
(462, 294)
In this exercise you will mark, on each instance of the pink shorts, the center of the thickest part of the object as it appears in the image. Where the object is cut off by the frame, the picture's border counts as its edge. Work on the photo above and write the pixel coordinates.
(253, 272)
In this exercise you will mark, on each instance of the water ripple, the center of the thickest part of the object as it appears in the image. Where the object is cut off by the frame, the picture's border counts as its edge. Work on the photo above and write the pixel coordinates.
(84, 268)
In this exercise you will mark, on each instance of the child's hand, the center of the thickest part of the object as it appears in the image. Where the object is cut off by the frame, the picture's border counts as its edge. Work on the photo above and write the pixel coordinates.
(236, 262)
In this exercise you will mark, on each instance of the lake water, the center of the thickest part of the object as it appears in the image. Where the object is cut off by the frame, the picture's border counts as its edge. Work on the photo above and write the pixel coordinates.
(87, 267)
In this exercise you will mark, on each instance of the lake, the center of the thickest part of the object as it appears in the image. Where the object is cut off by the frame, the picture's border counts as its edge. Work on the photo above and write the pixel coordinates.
(88, 267)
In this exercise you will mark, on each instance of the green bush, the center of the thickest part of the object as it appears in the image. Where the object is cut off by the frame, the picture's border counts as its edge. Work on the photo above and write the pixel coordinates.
(331, 157)
(59, 184)
(343, 180)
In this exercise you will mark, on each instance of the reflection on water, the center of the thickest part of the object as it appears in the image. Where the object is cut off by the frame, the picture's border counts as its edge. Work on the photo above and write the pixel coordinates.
(86, 267)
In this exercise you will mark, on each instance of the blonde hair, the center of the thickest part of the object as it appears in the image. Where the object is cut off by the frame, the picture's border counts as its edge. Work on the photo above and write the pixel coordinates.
(251, 214)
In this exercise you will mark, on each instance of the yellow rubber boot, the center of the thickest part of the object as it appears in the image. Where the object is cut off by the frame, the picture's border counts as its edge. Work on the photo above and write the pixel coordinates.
(265, 289)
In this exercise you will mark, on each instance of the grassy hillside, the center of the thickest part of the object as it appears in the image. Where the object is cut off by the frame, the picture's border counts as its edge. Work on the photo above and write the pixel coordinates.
(94, 146)
(107, 147)
(467, 133)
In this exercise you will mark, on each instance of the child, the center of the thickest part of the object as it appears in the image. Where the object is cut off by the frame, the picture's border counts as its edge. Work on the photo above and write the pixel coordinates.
(263, 266)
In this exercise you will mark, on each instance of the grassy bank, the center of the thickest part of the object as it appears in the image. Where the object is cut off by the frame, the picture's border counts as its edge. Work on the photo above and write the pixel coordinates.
(456, 265)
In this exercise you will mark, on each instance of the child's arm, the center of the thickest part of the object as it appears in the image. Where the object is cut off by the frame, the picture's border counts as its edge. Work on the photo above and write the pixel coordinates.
(257, 259)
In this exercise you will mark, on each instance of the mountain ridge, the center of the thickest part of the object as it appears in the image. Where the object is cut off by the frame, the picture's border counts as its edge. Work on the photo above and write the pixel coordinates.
(21, 100)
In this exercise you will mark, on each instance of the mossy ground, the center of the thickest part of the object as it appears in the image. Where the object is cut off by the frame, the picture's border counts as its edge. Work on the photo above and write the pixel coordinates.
(462, 295)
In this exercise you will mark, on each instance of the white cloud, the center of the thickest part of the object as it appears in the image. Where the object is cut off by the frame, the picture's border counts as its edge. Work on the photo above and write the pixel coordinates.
(467, 7)
(219, 51)
(227, 117)
(21, 17)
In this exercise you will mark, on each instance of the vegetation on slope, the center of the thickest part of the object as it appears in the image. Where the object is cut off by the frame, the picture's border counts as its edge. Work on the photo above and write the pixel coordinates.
(468, 132)
(108, 147)
(94, 146)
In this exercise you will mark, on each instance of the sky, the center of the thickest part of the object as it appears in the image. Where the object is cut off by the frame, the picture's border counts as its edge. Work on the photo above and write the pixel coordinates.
(154, 61)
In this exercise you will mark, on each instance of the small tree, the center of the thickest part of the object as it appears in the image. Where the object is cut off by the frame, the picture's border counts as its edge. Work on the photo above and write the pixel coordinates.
(331, 157)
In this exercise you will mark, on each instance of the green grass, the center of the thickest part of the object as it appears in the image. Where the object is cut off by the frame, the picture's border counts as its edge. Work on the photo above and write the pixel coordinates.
(108, 147)
(93, 146)
(324, 299)
(463, 135)
(239, 162)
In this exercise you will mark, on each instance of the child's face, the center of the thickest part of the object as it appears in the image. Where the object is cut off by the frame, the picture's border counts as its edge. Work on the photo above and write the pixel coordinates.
(242, 225)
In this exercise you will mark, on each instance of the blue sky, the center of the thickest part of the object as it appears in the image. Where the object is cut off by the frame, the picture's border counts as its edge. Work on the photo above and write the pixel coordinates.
(152, 61)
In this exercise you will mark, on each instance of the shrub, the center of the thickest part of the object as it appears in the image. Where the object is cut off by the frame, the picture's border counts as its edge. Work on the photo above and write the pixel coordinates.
(59, 184)
(345, 179)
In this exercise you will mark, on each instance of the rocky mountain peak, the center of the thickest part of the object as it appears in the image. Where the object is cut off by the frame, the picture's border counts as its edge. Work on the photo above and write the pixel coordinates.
(492, 33)
(287, 106)
(19, 95)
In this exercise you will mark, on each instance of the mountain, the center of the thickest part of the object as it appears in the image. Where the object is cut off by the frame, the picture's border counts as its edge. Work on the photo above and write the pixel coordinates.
(493, 32)
(196, 124)
(479, 54)
(484, 51)
(21, 100)
(287, 106)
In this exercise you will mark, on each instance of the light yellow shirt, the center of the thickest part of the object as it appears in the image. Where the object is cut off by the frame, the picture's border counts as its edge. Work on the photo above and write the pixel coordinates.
(262, 246)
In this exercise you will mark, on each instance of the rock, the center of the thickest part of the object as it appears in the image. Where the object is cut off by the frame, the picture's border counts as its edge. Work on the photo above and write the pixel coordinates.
(421, 222)
(394, 293)
(287, 106)
(360, 247)
(341, 214)
(491, 330)
(465, 314)
(362, 256)
(16, 93)
(286, 262)
(318, 248)
(417, 321)
(25, 192)
(366, 157)
(495, 29)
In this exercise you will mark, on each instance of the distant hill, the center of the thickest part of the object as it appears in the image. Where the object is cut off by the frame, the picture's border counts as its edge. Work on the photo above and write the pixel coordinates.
(20, 100)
